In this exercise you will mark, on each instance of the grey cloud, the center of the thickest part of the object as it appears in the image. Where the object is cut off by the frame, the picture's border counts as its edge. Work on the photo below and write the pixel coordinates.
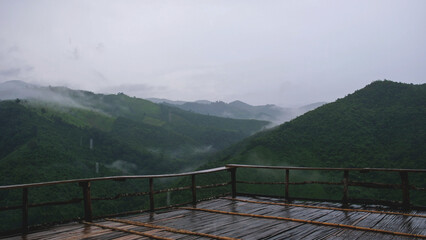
(18, 89)
(13, 49)
(76, 54)
(10, 72)
(100, 75)
(140, 90)
(100, 47)
(15, 72)
(12, 65)
(277, 52)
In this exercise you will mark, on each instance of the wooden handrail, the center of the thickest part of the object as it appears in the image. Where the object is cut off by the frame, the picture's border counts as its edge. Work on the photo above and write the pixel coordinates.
(404, 186)
(87, 199)
(363, 170)
(231, 168)
(227, 166)
(115, 178)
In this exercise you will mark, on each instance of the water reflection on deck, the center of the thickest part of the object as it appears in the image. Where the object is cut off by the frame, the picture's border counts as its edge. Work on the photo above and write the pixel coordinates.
(247, 218)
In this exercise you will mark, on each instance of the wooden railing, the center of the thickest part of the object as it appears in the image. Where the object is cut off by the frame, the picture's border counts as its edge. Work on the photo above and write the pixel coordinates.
(87, 199)
(405, 186)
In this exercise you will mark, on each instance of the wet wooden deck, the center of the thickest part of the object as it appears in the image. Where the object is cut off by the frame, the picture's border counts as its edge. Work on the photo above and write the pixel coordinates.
(280, 222)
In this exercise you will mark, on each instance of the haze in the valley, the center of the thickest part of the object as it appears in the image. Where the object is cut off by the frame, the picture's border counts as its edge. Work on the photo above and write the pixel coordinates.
(288, 53)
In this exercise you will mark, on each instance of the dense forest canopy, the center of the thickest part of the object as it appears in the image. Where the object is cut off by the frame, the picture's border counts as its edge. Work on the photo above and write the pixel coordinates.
(381, 125)
(65, 133)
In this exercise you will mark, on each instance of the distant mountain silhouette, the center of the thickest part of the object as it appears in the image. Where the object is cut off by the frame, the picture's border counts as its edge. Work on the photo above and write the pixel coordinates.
(240, 110)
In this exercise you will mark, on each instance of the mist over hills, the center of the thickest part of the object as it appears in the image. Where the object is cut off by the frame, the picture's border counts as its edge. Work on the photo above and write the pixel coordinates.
(240, 110)
(54, 133)
(382, 125)
(48, 126)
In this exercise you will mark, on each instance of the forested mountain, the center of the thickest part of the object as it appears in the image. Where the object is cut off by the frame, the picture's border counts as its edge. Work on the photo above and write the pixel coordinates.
(51, 133)
(241, 110)
(382, 125)
(55, 133)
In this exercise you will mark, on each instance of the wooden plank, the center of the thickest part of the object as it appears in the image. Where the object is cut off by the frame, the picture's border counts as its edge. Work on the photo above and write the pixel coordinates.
(157, 217)
(145, 234)
(402, 224)
(325, 207)
(131, 237)
(81, 231)
(57, 229)
(169, 229)
(237, 226)
(84, 231)
(304, 221)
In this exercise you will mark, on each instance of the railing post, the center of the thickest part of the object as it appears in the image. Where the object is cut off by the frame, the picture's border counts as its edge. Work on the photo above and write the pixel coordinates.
(194, 190)
(287, 180)
(405, 190)
(151, 195)
(25, 210)
(345, 188)
(87, 201)
(234, 181)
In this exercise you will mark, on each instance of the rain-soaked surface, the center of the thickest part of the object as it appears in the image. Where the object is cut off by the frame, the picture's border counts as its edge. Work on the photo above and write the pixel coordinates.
(246, 218)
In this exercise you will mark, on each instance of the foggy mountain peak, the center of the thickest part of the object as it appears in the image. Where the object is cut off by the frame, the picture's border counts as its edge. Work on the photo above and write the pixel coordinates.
(17, 84)
(17, 89)
(203, 101)
(239, 103)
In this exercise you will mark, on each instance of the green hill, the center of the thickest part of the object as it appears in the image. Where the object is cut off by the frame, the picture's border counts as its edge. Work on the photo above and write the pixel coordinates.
(55, 133)
(382, 125)
(37, 148)
(52, 127)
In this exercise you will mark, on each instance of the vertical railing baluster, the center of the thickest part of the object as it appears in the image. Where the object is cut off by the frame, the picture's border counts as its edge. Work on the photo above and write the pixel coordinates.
(405, 185)
(24, 210)
(151, 195)
(234, 181)
(345, 188)
(87, 201)
(194, 190)
(287, 180)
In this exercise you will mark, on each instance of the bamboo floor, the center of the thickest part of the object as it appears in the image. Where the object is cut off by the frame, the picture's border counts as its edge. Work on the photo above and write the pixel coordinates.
(281, 222)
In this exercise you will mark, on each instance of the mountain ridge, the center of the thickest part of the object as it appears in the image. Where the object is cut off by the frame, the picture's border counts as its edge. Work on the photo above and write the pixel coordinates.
(379, 126)
(241, 110)
(157, 133)
(376, 104)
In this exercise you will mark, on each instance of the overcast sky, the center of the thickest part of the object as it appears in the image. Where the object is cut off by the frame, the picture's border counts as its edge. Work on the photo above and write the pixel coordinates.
(284, 52)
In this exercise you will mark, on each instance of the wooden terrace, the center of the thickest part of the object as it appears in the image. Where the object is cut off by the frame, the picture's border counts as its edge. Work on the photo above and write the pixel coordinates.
(237, 215)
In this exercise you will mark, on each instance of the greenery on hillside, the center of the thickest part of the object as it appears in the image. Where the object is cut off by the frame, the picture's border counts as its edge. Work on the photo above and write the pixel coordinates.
(129, 135)
(68, 134)
(382, 125)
